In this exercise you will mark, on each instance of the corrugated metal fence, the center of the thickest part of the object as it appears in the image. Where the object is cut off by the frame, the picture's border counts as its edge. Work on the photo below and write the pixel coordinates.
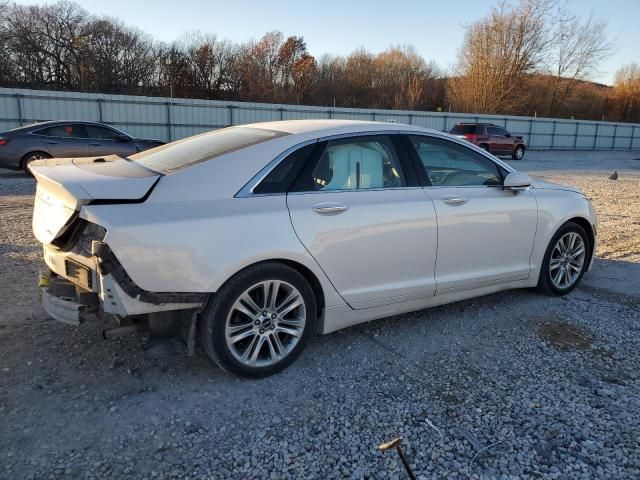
(175, 118)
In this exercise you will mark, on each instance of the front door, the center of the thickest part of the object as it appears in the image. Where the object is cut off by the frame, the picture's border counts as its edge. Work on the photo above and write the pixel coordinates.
(485, 233)
(369, 229)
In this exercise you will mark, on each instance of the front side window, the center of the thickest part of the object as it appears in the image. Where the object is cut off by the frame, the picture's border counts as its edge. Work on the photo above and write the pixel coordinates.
(499, 131)
(68, 131)
(449, 164)
(494, 131)
(103, 133)
(358, 163)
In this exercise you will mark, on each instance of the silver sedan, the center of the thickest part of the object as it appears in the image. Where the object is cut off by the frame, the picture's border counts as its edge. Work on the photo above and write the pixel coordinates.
(253, 238)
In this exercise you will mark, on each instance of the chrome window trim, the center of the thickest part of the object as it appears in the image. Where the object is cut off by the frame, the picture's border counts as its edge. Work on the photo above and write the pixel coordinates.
(247, 189)
(354, 190)
(461, 186)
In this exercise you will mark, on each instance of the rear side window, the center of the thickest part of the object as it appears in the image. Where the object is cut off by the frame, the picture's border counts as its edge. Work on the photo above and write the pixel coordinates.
(358, 163)
(69, 131)
(283, 175)
(206, 146)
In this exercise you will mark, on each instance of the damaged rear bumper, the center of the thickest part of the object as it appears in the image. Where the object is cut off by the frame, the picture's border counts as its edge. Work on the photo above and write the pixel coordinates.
(62, 300)
(78, 287)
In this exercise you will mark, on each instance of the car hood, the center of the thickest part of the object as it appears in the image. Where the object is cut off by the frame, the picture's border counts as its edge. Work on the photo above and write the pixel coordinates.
(555, 186)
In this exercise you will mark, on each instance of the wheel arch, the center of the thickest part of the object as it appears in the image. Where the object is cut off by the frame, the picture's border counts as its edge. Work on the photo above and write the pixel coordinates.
(308, 275)
(586, 225)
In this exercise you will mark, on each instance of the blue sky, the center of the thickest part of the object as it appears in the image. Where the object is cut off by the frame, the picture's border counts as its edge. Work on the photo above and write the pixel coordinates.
(434, 27)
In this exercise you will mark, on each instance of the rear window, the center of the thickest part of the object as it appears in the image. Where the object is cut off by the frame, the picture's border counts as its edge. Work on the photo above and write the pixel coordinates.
(206, 146)
(464, 129)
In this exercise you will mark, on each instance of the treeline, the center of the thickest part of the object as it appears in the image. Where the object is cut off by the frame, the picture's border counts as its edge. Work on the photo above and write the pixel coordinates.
(62, 46)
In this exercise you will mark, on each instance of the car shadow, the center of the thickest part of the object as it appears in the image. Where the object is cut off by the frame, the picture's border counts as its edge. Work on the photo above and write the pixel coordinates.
(9, 174)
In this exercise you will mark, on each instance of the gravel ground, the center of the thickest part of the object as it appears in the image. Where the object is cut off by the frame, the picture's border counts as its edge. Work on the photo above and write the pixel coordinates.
(513, 385)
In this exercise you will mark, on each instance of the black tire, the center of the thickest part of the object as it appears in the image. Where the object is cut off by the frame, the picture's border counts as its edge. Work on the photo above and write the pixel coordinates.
(214, 318)
(30, 157)
(545, 282)
(518, 153)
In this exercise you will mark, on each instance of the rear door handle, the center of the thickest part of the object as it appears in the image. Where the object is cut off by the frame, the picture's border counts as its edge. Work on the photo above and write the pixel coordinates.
(454, 200)
(329, 208)
(50, 142)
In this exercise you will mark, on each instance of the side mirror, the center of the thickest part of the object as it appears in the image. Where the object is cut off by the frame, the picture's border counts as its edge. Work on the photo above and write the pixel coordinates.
(508, 135)
(122, 138)
(517, 181)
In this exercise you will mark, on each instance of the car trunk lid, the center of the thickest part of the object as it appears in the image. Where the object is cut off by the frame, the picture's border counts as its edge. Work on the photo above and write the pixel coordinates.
(65, 185)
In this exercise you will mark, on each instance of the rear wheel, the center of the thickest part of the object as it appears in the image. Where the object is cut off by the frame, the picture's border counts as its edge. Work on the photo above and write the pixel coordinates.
(565, 260)
(518, 153)
(30, 157)
(260, 320)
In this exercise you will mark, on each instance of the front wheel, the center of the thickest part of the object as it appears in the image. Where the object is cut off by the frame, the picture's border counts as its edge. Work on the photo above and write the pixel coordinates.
(518, 153)
(565, 260)
(260, 320)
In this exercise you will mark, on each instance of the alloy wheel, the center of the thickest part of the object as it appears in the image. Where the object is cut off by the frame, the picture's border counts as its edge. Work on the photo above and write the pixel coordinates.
(567, 260)
(265, 323)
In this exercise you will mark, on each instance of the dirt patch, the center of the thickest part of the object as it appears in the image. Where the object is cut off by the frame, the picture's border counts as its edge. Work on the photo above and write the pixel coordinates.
(565, 336)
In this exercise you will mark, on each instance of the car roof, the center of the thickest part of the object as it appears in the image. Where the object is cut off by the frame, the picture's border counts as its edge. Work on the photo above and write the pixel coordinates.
(479, 124)
(53, 123)
(334, 127)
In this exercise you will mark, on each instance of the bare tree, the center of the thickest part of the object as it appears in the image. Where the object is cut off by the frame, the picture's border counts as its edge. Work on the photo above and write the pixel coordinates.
(119, 58)
(496, 55)
(577, 49)
(7, 73)
(211, 61)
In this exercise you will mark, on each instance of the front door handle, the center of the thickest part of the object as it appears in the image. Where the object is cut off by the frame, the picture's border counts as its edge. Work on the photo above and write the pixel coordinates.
(51, 142)
(329, 208)
(454, 200)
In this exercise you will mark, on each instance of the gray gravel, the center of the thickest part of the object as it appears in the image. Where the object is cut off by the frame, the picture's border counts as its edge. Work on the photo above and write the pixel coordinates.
(514, 385)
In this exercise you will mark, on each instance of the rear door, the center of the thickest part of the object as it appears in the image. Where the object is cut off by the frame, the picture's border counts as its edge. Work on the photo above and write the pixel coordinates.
(485, 233)
(359, 211)
(65, 140)
(106, 141)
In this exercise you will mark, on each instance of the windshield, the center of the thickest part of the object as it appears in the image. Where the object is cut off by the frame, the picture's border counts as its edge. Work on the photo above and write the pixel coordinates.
(185, 153)
(463, 129)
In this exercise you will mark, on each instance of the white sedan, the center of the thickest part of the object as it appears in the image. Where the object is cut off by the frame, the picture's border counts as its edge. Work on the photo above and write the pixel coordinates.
(253, 238)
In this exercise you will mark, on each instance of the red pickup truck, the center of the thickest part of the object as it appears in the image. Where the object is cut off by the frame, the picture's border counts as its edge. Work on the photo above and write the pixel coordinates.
(492, 138)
